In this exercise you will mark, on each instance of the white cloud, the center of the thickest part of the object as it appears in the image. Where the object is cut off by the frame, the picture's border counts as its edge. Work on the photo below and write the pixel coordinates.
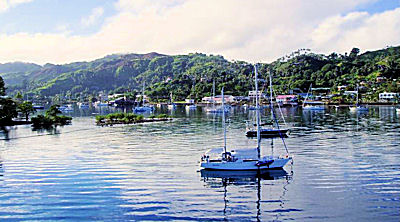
(6, 4)
(93, 17)
(252, 30)
(341, 33)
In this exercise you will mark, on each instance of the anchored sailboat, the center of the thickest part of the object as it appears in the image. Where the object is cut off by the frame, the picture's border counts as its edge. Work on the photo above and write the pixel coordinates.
(358, 107)
(312, 105)
(144, 107)
(274, 131)
(243, 159)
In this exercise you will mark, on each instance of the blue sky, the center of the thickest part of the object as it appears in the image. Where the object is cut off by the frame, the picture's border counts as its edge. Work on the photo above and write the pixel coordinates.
(256, 30)
(50, 15)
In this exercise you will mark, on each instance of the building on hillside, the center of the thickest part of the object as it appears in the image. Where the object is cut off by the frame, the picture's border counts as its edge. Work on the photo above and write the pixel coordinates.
(227, 99)
(341, 88)
(388, 96)
(380, 79)
(253, 94)
(207, 99)
(286, 99)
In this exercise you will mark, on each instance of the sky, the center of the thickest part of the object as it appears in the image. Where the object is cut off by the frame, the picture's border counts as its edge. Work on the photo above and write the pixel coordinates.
(59, 31)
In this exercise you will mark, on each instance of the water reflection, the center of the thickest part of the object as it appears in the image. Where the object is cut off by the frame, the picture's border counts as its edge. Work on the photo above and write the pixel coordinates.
(1, 169)
(216, 179)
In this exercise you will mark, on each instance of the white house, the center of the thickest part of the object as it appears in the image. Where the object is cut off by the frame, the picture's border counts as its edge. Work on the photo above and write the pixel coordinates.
(252, 94)
(388, 96)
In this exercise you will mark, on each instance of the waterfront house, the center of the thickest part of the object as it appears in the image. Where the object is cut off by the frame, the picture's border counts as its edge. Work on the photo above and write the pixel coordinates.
(286, 99)
(253, 94)
(388, 96)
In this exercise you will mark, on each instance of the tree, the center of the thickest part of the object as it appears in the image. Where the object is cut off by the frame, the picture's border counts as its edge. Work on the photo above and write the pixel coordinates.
(8, 110)
(354, 52)
(26, 108)
(2, 87)
(53, 111)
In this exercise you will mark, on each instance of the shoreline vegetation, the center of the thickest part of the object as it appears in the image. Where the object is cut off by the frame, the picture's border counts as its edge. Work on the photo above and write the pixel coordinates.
(51, 118)
(129, 118)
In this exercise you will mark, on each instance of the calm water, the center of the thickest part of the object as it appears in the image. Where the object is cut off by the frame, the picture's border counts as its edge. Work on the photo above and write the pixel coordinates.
(346, 168)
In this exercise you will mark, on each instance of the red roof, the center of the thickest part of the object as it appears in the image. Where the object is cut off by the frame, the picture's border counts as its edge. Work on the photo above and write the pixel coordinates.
(285, 96)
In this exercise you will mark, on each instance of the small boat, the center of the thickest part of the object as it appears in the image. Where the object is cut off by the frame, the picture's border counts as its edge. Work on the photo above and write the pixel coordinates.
(268, 132)
(99, 103)
(312, 105)
(358, 107)
(83, 105)
(38, 107)
(217, 110)
(172, 106)
(192, 106)
(66, 108)
(242, 159)
(144, 108)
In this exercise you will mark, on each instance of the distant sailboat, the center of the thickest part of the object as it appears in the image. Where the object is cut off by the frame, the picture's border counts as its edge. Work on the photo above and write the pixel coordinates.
(171, 105)
(358, 107)
(242, 159)
(270, 131)
(312, 105)
(144, 107)
(214, 109)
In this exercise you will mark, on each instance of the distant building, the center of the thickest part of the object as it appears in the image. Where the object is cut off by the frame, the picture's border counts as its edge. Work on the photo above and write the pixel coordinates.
(207, 99)
(341, 88)
(380, 79)
(227, 98)
(189, 101)
(286, 99)
(388, 96)
(241, 98)
(350, 92)
(253, 94)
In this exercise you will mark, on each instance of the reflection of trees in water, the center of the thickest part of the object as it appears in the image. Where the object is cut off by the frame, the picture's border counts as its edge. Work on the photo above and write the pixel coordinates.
(217, 179)
(1, 168)
(377, 119)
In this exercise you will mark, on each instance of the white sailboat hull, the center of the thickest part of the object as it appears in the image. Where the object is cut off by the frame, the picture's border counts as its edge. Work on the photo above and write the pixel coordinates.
(244, 165)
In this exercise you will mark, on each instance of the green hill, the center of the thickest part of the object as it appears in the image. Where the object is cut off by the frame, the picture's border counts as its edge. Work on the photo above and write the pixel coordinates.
(192, 75)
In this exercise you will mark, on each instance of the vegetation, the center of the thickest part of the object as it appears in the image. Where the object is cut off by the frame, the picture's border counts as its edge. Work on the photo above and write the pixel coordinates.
(8, 108)
(51, 118)
(192, 75)
(128, 118)
(26, 108)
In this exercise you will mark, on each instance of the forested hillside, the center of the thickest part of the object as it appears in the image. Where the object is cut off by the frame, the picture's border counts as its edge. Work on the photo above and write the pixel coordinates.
(192, 75)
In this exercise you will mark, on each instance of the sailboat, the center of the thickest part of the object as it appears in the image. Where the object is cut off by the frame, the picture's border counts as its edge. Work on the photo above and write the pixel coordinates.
(242, 159)
(144, 107)
(358, 107)
(214, 109)
(312, 105)
(171, 105)
(268, 132)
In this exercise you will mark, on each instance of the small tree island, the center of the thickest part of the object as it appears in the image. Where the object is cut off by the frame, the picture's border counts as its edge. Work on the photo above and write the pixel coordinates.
(128, 118)
(51, 118)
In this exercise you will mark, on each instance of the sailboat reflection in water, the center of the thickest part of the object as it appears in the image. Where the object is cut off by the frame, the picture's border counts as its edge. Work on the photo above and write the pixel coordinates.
(252, 180)
(243, 159)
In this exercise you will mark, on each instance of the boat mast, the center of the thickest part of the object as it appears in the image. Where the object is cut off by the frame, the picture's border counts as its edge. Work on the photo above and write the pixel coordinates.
(223, 119)
(307, 95)
(213, 93)
(357, 96)
(143, 94)
(270, 96)
(257, 113)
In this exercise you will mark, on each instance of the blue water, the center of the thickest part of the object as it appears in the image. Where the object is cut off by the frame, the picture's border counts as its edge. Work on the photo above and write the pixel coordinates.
(346, 168)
